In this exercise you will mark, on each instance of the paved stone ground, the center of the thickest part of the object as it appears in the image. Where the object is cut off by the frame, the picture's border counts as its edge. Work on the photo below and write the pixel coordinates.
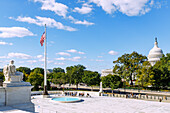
(11, 110)
(100, 105)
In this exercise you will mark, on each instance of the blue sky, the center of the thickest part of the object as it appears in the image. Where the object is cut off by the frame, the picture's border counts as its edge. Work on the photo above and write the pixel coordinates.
(93, 33)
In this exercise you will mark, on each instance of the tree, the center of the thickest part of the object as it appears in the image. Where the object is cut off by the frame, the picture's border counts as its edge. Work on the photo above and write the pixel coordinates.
(91, 78)
(128, 64)
(111, 81)
(75, 74)
(78, 73)
(36, 80)
(161, 72)
(56, 70)
(2, 76)
(38, 70)
(70, 75)
(144, 74)
(25, 70)
(59, 78)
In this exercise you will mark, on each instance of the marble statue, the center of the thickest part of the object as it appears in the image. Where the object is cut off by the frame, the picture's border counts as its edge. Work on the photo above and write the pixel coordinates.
(11, 74)
(16, 93)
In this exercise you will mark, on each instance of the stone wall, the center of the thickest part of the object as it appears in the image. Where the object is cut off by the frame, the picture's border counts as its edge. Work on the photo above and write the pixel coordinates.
(2, 96)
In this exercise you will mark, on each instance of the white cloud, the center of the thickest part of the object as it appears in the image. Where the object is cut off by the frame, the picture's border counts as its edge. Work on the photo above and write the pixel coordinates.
(75, 51)
(5, 43)
(83, 22)
(50, 61)
(61, 58)
(75, 21)
(41, 59)
(41, 21)
(99, 60)
(80, 1)
(113, 52)
(75, 58)
(59, 8)
(72, 51)
(9, 32)
(39, 56)
(85, 9)
(81, 52)
(32, 61)
(3, 57)
(19, 55)
(128, 7)
(61, 63)
(63, 53)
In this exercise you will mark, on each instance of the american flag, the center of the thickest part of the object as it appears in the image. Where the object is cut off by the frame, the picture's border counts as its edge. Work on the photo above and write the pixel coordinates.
(42, 39)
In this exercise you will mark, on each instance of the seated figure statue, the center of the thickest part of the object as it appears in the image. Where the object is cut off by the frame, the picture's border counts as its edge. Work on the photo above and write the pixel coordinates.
(11, 74)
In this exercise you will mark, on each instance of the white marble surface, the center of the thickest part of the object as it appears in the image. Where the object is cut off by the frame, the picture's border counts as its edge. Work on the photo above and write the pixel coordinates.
(7, 109)
(2, 96)
(101, 105)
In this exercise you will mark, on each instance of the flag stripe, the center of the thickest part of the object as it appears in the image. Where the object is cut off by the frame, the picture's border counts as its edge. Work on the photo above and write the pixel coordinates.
(42, 39)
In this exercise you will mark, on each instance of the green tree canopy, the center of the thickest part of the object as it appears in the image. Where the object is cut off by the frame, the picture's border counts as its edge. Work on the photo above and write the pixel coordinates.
(59, 78)
(161, 72)
(70, 74)
(38, 70)
(2, 76)
(144, 74)
(36, 80)
(56, 70)
(128, 64)
(91, 78)
(75, 74)
(111, 81)
(24, 69)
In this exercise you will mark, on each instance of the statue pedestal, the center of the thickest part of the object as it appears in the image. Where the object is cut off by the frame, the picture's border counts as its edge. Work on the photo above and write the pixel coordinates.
(17, 84)
(18, 95)
(15, 78)
(15, 92)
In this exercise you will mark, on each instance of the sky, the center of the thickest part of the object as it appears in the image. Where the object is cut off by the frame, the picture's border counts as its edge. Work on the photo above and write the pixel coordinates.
(92, 33)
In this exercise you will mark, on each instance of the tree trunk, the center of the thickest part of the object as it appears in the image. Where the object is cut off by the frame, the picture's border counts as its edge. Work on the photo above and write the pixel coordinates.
(77, 86)
(131, 81)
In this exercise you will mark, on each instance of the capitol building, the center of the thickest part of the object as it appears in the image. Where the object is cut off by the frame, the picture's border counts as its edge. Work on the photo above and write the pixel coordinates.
(154, 55)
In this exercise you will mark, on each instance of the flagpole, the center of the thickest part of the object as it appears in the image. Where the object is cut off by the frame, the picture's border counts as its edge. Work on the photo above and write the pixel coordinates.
(45, 64)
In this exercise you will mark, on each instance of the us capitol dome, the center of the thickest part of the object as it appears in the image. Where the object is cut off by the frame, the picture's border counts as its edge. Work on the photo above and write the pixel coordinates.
(155, 53)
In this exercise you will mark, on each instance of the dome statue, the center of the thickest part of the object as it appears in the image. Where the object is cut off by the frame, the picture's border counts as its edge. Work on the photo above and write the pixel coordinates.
(155, 53)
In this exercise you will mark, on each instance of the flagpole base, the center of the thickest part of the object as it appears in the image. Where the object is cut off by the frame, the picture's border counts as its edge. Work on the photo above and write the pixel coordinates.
(45, 93)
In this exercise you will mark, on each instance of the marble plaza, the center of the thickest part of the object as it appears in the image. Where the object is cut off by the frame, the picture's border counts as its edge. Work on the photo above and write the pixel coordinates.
(100, 105)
